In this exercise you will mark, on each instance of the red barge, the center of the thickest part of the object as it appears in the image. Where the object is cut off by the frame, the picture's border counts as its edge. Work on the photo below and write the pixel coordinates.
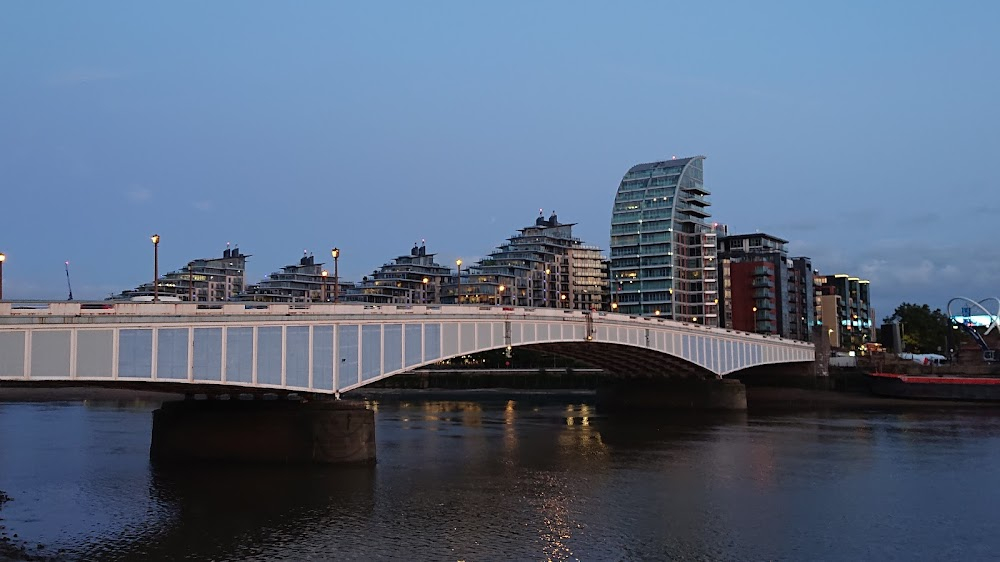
(937, 387)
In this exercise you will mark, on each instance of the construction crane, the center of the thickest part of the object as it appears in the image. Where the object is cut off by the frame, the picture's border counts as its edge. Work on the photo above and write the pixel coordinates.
(68, 284)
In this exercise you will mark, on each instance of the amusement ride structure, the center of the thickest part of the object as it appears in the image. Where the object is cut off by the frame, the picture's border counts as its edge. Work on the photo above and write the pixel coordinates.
(969, 322)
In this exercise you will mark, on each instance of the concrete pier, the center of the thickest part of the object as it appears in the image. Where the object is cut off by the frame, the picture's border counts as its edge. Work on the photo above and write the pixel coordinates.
(684, 394)
(263, 431)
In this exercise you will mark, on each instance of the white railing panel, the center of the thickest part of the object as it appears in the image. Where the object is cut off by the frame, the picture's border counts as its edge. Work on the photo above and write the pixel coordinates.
(348, 366)
(432, 341)
(135, 353)
(414, 344)
(323, 357)
(171, 353)
(269, 355)
(239, 354)
(12, 353)
(393, 349)
(50, 354)
(94, 353)
(207, 354)
(297, 356)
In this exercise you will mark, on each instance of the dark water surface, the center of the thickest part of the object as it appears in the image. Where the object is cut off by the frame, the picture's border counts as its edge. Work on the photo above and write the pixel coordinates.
(519, 480)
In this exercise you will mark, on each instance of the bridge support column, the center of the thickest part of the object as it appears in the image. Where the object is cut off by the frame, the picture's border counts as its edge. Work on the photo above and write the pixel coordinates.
(688, 394)
(258, 431)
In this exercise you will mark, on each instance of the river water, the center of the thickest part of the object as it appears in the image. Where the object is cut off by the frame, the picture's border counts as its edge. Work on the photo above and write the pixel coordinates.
(525, 479)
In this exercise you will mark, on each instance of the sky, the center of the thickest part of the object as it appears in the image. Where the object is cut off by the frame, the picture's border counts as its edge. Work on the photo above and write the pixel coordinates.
(865, 133)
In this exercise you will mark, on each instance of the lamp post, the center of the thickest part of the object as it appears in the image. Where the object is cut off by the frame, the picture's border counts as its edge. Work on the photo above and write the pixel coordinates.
(500, 294)
(563, 297)
(323, 288)
(156, 266)
(545, 295)
(3, 258)
(190, 284)
(458, 286)
(425, 281)
(336, 274)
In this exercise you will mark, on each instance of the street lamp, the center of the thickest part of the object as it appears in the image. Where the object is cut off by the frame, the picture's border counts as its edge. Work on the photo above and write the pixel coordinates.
(336, 274)
(425, 281)
(545, 297)
(563, 297)
(500, 295)
(155, 239)
(323, 289)
(3, 258)
(458, 286)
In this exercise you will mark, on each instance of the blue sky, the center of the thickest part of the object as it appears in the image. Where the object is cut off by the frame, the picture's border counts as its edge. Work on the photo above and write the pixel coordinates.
(865, 133)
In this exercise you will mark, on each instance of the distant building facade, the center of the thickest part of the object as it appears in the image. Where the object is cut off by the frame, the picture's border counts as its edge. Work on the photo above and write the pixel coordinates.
(202, 280)
(410, 279)
(765, 291)
(663, 253)
(843, 309)
(543, 265)
(303, 282)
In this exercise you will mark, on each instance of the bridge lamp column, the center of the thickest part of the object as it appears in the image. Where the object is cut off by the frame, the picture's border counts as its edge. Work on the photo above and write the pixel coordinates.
(425, 281)
(500, 290)
(325, 274)
(155, 239)
(562, 297)
(3, 258)
(336, 274)
(458, 281)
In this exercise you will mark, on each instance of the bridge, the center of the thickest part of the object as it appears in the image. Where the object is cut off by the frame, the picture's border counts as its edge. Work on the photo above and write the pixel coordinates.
(326, 348)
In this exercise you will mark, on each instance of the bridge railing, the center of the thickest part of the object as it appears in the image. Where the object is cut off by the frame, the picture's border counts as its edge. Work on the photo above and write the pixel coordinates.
(16, 312)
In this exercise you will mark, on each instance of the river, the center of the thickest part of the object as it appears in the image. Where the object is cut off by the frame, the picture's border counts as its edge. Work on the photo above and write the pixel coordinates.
(526, 479)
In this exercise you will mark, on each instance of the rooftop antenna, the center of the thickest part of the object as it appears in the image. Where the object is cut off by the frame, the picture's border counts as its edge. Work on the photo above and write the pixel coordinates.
(68, 284)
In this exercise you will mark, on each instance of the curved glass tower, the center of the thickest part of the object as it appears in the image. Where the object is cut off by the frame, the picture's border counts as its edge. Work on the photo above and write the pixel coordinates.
(662, 250)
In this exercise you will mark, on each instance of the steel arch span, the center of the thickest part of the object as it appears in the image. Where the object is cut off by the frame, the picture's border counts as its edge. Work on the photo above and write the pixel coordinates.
(327, 348)
(993, 317)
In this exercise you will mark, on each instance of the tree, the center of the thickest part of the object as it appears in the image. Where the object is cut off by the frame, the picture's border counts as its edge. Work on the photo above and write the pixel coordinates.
(924, 330)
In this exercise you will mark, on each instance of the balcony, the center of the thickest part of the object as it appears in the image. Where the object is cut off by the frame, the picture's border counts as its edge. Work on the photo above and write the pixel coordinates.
(763, 271)
(763, 294)
(762, 282)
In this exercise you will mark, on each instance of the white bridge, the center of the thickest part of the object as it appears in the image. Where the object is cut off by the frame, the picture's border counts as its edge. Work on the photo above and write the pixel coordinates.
(334, 348)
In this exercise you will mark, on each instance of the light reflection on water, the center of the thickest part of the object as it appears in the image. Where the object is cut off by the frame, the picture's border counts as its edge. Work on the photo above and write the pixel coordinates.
(518, 479)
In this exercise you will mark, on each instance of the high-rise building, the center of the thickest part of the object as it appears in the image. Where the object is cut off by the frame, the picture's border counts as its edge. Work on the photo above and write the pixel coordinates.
(202, 280)
(662, 251)
(543, 265)
(764, 290)
(411, 279)
(843, 309)
(801, 304)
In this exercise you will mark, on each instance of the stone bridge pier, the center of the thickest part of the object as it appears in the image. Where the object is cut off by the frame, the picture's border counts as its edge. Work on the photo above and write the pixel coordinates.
(284, 431)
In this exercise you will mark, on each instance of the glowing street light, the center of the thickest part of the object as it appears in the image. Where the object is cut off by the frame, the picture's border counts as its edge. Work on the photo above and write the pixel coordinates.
(325, 273)
(458, 287)
(3, 258)
(425, 282)
(155, 239)
(336, 274)
(500, 294)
